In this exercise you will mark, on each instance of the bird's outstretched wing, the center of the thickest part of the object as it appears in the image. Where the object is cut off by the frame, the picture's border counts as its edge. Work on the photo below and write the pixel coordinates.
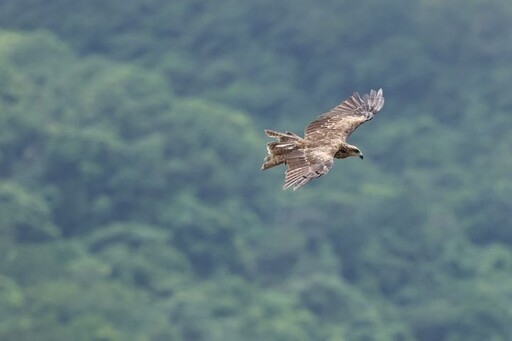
(338, 123)
(305, 165)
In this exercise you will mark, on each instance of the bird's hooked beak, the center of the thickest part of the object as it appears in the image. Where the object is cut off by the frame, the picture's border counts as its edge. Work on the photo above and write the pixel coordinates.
(361, 156)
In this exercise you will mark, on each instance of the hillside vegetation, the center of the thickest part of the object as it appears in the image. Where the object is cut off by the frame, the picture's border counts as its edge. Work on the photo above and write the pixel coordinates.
(132, 206)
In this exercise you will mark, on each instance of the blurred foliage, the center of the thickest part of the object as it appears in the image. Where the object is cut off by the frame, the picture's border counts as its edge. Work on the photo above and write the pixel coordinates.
(131, 202)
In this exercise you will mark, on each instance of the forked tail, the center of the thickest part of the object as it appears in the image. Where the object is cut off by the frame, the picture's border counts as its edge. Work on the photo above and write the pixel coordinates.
(278, 150)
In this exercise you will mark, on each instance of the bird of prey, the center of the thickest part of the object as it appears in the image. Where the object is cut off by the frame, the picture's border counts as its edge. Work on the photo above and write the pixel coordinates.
(324, 140)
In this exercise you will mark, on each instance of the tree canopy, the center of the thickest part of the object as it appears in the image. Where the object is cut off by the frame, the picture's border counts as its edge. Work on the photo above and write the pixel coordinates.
(132, 206)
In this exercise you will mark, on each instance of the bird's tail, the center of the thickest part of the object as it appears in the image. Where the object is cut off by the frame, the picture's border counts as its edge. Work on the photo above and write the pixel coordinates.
(279, 150)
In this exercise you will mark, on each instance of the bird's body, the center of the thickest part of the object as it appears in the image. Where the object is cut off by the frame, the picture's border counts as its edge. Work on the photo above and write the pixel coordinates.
(324, 139)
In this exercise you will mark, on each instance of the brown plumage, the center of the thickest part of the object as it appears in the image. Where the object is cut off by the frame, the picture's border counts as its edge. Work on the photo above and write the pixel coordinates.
(324, 139)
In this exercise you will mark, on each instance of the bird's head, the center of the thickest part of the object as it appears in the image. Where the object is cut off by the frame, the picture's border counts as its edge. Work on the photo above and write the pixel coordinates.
(354, 151)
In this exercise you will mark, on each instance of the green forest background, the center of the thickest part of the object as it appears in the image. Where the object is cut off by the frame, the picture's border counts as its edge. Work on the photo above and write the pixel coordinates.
(132, 206)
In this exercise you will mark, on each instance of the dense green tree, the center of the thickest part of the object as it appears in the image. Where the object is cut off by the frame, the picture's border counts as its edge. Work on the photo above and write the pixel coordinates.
(131, 202)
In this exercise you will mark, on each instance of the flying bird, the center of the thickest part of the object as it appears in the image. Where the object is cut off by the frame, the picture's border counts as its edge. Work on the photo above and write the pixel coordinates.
(324, 140)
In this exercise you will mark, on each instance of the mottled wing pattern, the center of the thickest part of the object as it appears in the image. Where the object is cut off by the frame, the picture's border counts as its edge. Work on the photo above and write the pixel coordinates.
(341, 121)
(305, 165)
